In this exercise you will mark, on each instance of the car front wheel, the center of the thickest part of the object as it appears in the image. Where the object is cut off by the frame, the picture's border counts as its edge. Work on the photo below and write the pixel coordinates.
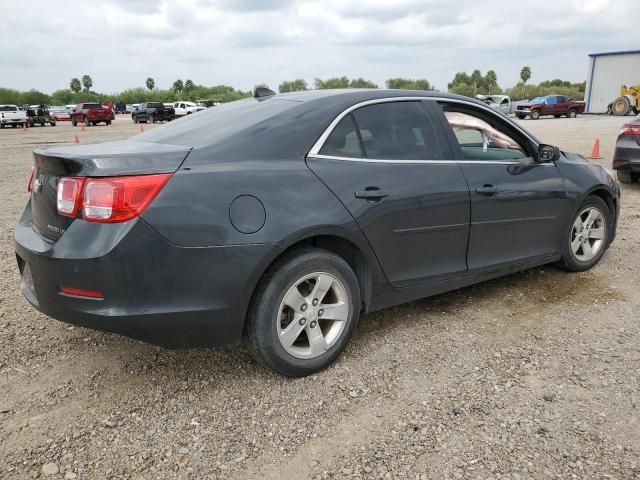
(588, 235)
(304, 312)
(535, 115)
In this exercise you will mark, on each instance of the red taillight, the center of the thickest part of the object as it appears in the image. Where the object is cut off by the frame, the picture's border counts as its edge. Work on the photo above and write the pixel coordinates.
(630, 130)
(69, 195)
(30, 184)
(79, 292)
(108, 199)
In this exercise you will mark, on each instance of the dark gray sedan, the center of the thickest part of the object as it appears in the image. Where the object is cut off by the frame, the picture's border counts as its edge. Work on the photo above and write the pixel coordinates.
(626, 157)
(284, 218)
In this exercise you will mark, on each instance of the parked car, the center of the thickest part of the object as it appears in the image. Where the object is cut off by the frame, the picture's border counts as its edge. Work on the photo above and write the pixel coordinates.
(39, 115)
(501, 103)
(626, 157)
(120, 107)
(91, 114)
(208, 103)
(186, 108)
(12, 115)
(288, 217)
(152, 112)
(59, 114)
(556, 105)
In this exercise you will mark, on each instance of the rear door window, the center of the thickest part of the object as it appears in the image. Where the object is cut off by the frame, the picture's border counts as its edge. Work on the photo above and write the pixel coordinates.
(396, 131)
(343, 140)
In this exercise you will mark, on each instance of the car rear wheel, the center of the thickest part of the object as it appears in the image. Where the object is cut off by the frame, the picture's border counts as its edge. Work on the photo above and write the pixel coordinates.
(108, 122)
(53, 124)
(572, 114)
(535, 115)
(304, 312)
(588, 236)
(627, 176)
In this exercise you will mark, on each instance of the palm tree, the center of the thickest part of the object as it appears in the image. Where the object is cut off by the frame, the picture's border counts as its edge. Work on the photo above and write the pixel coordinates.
(75, 85)
(188, 85)
(151, 83)
(492, 80)
(476, 78)
(87, 82)
(178, 86)
(525, 75)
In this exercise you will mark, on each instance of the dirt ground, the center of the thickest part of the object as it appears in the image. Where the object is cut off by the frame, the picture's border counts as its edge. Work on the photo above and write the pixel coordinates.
(532, 376)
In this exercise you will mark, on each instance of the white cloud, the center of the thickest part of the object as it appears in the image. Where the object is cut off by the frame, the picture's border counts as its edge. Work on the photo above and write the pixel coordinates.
(245, 42)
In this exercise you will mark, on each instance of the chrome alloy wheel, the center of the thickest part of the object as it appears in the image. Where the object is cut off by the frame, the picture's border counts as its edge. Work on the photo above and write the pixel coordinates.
(588, 234)
(312, 315)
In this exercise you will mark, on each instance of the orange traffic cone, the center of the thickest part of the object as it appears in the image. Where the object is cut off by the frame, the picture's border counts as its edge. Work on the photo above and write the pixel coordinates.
(82, 129)
(595, 153)
(77, 139)
(141, 128)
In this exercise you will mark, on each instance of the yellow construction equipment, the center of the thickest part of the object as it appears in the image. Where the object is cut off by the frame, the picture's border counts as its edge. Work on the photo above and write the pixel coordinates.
(627, 102)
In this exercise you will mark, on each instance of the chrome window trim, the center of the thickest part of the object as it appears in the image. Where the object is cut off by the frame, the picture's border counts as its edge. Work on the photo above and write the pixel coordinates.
(431, 162)
(317, 146)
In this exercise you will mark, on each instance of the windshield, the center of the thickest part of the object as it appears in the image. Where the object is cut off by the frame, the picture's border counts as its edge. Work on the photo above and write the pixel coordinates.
(539, 100)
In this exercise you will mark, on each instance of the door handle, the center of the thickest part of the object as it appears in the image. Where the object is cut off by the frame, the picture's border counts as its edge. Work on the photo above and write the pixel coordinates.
(487, 190)
(372, 194)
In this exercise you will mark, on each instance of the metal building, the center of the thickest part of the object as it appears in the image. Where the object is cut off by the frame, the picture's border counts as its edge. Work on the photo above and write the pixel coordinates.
(607, 72)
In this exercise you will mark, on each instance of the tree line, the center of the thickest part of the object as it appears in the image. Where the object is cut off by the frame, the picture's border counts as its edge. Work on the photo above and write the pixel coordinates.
(463, 83)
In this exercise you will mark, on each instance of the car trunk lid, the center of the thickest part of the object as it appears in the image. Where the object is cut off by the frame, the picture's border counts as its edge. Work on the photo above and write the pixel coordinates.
(107, 159)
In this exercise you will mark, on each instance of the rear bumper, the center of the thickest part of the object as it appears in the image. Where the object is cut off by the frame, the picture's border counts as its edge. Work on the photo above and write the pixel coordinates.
(153, 291)
(627, 154)
(12, 121)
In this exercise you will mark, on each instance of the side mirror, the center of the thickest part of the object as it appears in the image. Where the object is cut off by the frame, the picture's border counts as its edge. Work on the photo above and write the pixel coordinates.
(548, 153)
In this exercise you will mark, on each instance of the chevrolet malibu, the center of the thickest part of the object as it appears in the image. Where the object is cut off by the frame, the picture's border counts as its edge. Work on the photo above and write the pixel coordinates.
(283, 218)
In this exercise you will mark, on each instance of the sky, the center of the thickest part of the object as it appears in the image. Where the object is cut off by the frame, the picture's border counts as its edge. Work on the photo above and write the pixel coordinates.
(247, 42)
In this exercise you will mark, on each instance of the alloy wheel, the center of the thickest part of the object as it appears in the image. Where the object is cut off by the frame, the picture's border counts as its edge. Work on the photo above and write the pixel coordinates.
(313, 315)
(588, 234)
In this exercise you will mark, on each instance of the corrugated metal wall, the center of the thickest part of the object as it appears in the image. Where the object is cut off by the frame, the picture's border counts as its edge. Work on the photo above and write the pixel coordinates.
(609, 73)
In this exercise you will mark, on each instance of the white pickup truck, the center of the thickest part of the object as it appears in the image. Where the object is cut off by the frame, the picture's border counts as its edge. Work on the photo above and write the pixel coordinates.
(12, 115)
(186, 108)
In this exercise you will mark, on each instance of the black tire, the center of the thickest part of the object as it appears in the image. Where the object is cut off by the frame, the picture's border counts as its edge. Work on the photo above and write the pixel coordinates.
(94, 123)
(572, 114)
(627, 176)
(108, 122)
(86, 121)
(42, 124)
(521, 117)
(265, 306)
(569, 260)
(1, 125)
(53, 124)
(535, 114)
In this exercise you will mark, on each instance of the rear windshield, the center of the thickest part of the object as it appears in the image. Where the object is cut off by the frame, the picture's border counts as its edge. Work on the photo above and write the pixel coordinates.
(92, 105)
(155, 105)
(8, 108)
(213, 125)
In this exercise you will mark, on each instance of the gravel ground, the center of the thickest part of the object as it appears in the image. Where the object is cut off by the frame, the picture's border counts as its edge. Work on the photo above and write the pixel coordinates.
(532, 376)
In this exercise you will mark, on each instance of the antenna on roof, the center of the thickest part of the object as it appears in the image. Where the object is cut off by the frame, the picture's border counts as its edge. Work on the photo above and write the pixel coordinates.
(262, 92)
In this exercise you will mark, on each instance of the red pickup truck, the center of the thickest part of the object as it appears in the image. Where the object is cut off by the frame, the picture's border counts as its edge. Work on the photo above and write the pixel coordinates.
(91, 114)
(556, 105)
